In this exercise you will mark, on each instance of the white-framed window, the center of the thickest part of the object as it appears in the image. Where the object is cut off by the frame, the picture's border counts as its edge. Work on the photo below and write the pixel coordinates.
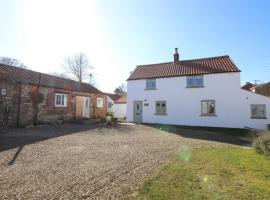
(208, 108)
(60, 100)
(161, 108)
(3, 91)
(100, 102)
(150, 84)
(258, 111)
(195, 81)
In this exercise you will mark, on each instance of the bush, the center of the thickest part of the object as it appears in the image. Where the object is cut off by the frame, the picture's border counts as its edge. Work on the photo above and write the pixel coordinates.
(262, 144)
(110, 114)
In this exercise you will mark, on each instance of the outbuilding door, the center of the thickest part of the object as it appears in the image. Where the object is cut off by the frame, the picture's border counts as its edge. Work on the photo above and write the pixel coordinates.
(86, 107)
(137, 111)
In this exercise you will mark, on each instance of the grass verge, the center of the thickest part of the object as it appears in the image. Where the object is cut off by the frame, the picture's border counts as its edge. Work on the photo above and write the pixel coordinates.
(217, 173)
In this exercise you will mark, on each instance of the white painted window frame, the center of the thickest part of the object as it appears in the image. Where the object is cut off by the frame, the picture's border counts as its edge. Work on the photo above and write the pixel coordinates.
(63, 100)
(100, 101)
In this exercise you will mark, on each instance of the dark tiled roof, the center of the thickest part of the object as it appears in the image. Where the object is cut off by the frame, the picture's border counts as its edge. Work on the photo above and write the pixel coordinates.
(221, 64)
(34, 78)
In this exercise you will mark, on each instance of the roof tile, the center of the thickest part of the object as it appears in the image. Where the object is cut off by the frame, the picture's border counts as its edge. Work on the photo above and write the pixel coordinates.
(220, 64)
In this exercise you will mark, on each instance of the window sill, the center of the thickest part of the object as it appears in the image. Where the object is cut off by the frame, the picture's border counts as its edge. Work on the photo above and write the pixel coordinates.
(60, 106)
(160, 114)
(208, 115)
(258, 117)
(194, 86)
(150, 89)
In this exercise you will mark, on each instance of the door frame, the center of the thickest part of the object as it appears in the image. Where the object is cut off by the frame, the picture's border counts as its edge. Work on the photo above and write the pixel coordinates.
(86, 112)
(134, 111)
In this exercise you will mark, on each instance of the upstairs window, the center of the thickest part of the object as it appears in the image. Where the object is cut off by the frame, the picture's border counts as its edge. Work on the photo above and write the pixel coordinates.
(208, 108)
(194, 81)
(60, 100)
(161, 108)
(100, 102)
(258, 111)
(150, 84)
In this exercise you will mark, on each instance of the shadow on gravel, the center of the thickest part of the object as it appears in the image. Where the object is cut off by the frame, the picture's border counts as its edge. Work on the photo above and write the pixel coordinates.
(18, 138)
(13, 138)
(210, 134)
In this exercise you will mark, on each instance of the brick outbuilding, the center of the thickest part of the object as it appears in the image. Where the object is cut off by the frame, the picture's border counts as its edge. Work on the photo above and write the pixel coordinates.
(29, 97)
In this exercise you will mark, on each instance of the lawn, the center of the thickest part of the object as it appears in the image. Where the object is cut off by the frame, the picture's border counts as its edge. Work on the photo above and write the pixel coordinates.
(216, 173)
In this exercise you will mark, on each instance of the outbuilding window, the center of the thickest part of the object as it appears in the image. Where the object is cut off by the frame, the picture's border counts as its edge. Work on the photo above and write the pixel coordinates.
(258, 111)
(60, 100)
(100, 102)
(194, 81)
(3, 91)
(208, 108)
(109, 104)
(161, 108)
(150, 84)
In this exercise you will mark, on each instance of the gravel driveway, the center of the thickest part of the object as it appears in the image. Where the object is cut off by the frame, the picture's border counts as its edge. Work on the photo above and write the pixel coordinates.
(74, 161)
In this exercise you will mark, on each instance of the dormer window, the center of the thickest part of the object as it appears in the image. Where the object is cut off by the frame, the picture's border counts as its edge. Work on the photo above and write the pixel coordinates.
(150, 84)
(194, 81)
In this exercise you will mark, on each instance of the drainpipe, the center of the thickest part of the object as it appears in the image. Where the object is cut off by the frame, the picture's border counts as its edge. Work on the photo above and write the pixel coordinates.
(35, 99)
(19, 104)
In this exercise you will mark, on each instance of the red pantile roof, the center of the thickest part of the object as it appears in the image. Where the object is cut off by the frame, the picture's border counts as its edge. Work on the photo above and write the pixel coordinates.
(34, 78)
(122, 99)
(221, 64)
(248, 86)
(114, 97)
(117, 98)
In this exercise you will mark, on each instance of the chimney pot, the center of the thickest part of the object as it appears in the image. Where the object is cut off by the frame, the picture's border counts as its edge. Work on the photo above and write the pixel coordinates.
(176, 56)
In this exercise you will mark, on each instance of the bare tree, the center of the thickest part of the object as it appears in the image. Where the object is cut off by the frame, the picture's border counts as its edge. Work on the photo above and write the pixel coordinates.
(78, 66)
(12, 62)
(120, 90)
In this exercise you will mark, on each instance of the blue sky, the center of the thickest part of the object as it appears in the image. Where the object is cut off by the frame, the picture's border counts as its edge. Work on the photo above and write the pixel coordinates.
(117, 35)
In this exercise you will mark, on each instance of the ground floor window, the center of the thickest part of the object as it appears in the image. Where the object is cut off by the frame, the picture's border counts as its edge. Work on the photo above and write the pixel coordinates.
(258, 111)
(60, 100)
(100, 102)
(208, 107)
(161, 108)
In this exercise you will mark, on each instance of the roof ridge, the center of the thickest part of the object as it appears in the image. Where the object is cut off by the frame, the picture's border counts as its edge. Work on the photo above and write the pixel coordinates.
(29, 71)
(42, 73)
(197, 59)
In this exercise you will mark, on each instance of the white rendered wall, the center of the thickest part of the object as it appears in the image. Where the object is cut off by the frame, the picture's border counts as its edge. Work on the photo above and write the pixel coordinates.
(184, 104)
(120, 110)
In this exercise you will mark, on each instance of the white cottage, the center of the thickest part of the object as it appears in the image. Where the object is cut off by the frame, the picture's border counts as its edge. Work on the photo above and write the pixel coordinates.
(117, 104)
(199, 92)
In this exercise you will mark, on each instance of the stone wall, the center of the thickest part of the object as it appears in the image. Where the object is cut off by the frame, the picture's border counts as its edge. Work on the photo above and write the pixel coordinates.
(8, 103)
(37, 105)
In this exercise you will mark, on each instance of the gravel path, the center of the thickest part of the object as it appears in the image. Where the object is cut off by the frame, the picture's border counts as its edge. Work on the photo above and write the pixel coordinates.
(72, 161)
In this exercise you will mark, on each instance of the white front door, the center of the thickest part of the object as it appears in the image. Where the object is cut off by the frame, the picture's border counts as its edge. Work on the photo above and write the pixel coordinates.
(86, 107)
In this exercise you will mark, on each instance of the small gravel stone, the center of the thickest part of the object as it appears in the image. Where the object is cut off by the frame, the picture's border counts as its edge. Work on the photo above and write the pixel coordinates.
(73, 161)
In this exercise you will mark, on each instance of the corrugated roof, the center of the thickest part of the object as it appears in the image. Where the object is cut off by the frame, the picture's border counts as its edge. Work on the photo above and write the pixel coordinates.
(26, 76)
(220, 64)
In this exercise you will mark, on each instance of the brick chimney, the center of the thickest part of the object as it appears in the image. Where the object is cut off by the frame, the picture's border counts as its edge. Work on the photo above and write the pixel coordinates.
(176, 56)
